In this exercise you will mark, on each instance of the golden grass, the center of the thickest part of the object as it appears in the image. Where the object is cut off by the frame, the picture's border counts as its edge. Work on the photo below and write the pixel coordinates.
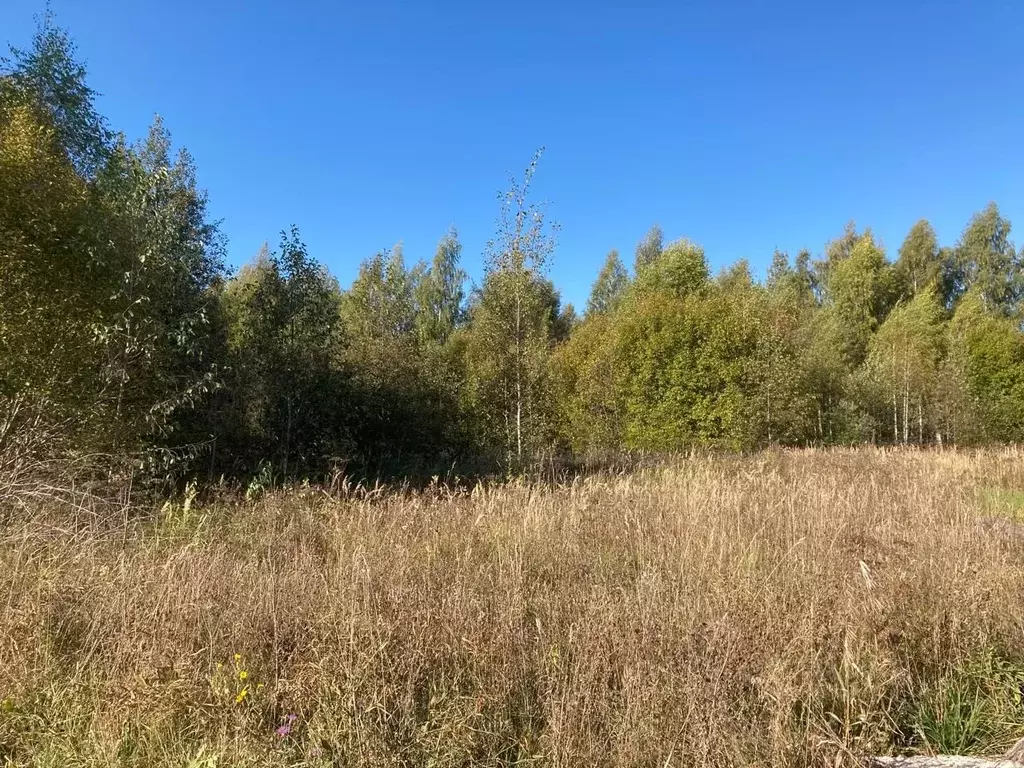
(789, 608)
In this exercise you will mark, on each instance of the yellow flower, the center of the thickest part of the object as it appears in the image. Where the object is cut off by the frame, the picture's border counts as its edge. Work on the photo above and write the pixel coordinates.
(243, 675)
(238, 657)
(241, 695)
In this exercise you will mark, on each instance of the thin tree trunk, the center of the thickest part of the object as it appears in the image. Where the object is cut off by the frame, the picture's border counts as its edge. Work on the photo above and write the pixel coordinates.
(122, 378)
(895, 419)
(288, 397)
(829, 404)
(508, 441)
(906, 415)
(287, 435)
(519, 378)
(906, 395)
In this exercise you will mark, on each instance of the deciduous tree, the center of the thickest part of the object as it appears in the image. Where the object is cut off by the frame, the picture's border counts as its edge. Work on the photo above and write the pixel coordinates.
(609, 287)
(510, 330)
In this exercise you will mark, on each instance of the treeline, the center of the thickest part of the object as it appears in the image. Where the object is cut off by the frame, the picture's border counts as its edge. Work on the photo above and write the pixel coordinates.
(122, 334)
(846, 348)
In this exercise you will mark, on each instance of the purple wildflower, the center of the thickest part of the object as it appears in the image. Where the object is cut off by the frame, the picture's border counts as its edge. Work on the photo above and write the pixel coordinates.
(286, 729)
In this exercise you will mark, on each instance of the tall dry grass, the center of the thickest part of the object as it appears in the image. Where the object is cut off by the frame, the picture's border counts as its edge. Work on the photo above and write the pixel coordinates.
(790, 608)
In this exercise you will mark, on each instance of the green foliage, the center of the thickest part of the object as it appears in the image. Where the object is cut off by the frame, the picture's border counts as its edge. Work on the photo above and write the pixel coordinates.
(122, 336)
(1002, 502)
(108, 262)
(985, 258)
(50, 76)
(400, 353)
(736, 278)
(682, 363)
(828, 375)
(903, 367)
(162, 259)
(510, 337)
(46, 348)
(283, 325)
(836, 251)
(379, 305)
(974, 709)
(508, 344)
(923, 264)
(588, 398)
(610, 286)
(792, 284)
(649, 249)
(678, 271)
(988, 349)
(780, 404)
(439, 293)
(861, 287)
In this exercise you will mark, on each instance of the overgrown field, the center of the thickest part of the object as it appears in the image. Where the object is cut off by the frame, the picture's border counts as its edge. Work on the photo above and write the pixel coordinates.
(791, 608)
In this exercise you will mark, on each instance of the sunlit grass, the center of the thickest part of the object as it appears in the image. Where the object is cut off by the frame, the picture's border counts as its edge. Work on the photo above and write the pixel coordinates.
(1005, 502)
(786, 608)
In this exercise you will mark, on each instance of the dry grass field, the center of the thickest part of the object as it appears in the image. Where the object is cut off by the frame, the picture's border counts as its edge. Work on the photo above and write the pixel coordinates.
(789, 608)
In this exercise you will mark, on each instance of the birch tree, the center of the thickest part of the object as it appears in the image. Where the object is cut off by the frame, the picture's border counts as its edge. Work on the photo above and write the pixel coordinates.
(903, 357)
(510, 334)
(609, 287)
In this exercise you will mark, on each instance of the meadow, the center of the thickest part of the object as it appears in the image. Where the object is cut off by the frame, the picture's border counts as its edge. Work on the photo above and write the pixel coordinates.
(802, 608)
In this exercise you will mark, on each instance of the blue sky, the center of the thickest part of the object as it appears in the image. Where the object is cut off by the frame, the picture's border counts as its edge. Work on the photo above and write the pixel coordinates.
(745, 126)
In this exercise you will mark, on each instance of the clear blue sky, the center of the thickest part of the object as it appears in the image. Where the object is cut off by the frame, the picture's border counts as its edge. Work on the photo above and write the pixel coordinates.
(744, 125)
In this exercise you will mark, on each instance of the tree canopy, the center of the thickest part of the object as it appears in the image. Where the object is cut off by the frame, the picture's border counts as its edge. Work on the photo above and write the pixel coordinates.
(123, 333)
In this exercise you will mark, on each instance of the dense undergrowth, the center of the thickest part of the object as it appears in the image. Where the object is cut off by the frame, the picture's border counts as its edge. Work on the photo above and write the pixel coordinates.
(787, 608)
